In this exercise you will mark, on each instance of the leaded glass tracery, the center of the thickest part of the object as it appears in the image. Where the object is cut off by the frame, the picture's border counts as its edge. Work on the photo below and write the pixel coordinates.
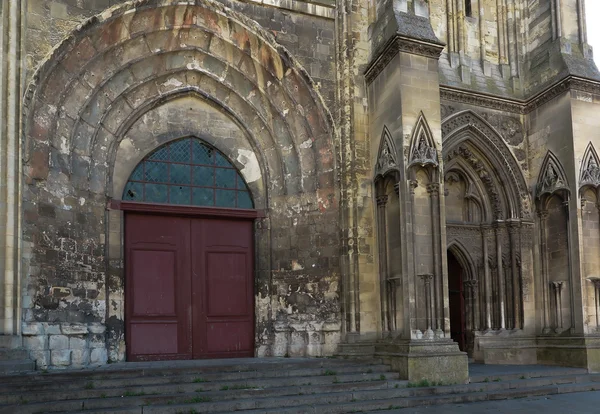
(188, 172)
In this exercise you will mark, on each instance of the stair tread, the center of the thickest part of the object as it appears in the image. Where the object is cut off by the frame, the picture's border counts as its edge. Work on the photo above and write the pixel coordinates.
(316, 386)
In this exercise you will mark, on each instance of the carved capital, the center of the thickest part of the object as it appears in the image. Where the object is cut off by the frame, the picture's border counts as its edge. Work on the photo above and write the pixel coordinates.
(381, 200)
(542, 214)
(426, 277)
(413, 184)
(514, 228)
(433, 189)
(595, 281)
(471, 284)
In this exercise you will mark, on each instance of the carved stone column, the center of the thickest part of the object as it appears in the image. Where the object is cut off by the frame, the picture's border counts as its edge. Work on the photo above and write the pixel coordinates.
(383, 261)
(501, 287)
(10, 165)
(558, 315)
(412, 185)
(596, 283)
(429, 307)
(571, 282)
(473, 287)
(487, 278)
(513, 233)
(434, 194)
(543, 216)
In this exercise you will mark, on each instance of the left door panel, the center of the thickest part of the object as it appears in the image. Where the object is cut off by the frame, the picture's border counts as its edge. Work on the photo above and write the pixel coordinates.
(158, 299)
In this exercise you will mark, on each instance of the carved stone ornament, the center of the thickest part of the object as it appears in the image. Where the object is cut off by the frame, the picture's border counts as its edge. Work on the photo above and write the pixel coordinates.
(386, 159)
(423, 154)
(422, 147)
(552, 177)
(590, 168)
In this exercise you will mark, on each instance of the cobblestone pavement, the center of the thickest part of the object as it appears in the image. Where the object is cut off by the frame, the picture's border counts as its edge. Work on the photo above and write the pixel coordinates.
(576, 403)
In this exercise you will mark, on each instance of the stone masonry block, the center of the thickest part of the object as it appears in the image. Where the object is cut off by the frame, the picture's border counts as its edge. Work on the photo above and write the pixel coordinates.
(97, 341)
(59, 342)
(97, 328)
(98, 356)
(73, 329)
(77, 342)
(30, 329)
(36, 343)
(52, 328)
(61, 358)
(80, 357)
(41, 358)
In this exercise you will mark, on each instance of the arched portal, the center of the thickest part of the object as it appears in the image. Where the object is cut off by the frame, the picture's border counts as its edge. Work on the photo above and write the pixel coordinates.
(189, 271)
(456, 297)
(488, 213)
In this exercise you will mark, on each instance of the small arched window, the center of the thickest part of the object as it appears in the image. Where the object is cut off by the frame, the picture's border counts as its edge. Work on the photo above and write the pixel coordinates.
(188, 172)
(468, 8)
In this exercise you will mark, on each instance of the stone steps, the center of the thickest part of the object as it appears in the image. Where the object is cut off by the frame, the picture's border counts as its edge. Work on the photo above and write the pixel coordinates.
(13, 358)
(265, 386)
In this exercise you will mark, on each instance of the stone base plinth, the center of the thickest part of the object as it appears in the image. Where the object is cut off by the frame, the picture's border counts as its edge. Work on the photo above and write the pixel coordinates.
(581, 352)
(504, 348)
(417, 360)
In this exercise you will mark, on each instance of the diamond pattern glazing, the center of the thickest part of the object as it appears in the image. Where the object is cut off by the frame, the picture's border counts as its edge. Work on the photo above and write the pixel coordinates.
(188, 172)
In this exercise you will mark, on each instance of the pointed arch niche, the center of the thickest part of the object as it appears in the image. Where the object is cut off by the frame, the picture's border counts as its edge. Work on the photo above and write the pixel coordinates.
(589, 193)
(423, 175)
(387, 177)
(552, 197)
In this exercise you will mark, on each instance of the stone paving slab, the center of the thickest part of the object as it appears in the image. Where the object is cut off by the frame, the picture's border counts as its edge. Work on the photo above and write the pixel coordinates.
(492, 369)
(576, 403)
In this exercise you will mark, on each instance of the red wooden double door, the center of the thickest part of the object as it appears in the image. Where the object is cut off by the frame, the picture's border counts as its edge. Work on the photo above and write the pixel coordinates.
(189, 288)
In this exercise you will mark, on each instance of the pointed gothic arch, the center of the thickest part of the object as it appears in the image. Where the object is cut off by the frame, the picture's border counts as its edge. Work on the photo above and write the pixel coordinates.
(474, 152)
(387, 156)
(470, 130)
(461, 252)
(589, 175)
(422, 150)
(551, 180)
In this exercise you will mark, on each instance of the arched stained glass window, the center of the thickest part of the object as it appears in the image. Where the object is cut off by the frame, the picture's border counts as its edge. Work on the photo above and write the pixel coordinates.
(188, 172)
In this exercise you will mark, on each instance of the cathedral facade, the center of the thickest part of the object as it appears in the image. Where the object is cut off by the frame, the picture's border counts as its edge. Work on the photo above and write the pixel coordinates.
(412, 179)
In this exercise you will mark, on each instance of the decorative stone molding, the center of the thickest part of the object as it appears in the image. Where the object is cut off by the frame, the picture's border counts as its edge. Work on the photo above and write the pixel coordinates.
(387, 155)
(552, 177)
(590, 168)
(515, 105)
(448, 93)
(401, 44)
(422, 147)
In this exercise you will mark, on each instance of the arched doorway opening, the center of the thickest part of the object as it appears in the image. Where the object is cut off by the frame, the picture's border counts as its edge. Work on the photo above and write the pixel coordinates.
(456, 297)
(188, 256)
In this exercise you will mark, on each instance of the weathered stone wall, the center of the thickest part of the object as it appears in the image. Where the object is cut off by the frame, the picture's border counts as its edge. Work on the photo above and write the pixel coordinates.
(124, 84)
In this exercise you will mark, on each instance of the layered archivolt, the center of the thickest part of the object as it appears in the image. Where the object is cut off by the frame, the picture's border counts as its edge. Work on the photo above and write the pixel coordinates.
(138, 56)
